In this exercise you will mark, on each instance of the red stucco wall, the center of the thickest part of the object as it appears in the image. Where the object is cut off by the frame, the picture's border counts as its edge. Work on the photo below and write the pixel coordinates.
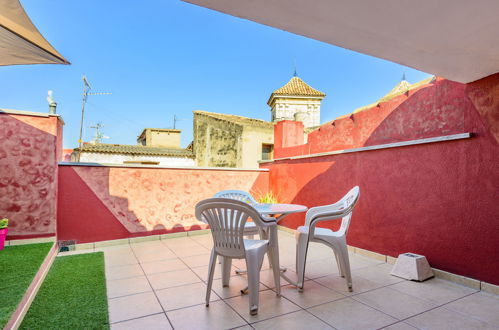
(28, 173)
(440, 200)
(103, 203)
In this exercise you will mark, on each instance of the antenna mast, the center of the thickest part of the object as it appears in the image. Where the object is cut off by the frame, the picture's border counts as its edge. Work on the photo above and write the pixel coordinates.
(86, 88)
(98, 134)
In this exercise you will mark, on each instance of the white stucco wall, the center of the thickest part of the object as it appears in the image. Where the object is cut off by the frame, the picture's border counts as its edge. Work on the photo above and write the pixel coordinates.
(285, 108)
(120, 159)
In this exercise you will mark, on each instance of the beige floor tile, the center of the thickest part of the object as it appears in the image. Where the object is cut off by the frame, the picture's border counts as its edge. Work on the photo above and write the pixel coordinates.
(127, 286)
(134, 306)
(236, 284)
(173, 278)
(320, 268)
(179, 241)
(152, 322)
(441, 318)
(292, 321)
(198, 260)
(244, 327)
(150, 255)
(394, 303)
(267, 277)
(400, 326)
(184, 296)
(339, 284)
(358, 261)
(217, 316)
(189, 251)
(156, 243)
(350, 314)
(270, 305)
(119, 259)
(163, 266)
(121, 272)
(203, 272)
(314, 294)
(481, 305)
(114, 249)
(436, 290)
(205, 240)
(378, 274)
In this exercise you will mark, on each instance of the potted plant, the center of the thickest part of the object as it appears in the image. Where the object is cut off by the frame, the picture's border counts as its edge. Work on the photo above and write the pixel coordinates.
(3, 232)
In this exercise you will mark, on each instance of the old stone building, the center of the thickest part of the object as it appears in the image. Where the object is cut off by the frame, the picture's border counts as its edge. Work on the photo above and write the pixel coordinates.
(222, 140)
(296, 101)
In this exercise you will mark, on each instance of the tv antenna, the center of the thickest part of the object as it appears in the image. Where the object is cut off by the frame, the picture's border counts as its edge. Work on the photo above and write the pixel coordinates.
(86, 93)
(98, 134)
(175, 119)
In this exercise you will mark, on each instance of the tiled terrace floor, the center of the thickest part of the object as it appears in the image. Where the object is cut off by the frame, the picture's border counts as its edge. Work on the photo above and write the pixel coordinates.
(162, 285)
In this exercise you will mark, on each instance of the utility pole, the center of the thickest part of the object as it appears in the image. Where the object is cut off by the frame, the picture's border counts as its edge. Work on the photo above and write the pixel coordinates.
(86, 88)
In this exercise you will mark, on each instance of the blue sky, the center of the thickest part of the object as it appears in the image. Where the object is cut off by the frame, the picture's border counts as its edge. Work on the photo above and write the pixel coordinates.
(166, 57)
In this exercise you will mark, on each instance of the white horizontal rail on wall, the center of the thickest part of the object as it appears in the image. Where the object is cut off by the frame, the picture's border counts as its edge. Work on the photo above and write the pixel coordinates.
(380, 146)
(164, 167)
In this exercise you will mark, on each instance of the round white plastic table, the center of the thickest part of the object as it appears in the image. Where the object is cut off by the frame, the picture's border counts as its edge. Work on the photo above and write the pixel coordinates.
(278, 212)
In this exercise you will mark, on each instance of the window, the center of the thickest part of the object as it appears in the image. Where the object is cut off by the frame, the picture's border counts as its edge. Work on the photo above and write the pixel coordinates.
(267, 151)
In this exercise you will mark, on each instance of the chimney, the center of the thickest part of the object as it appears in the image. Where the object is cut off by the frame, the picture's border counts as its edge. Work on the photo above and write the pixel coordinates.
(52, 103)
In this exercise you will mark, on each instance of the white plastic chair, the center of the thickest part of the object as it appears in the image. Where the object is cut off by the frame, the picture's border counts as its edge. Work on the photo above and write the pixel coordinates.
(250, 229)
(334, 239)
(227, 218)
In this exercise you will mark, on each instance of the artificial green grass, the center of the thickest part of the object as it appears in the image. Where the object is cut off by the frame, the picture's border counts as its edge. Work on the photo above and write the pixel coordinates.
(73, 295)
(18, 267)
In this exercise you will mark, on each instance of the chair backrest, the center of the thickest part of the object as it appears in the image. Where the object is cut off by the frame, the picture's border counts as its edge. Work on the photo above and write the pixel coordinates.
(239, 195)
(227, 218)
(342, 209)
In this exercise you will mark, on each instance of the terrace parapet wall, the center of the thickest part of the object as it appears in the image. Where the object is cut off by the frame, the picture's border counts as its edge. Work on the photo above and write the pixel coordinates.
(437, 199)
(30, 148)
(99, 202)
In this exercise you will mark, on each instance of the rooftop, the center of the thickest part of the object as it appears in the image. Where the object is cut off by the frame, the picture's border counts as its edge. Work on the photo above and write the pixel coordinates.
(296, 87)
(236, 119)
(134, 150)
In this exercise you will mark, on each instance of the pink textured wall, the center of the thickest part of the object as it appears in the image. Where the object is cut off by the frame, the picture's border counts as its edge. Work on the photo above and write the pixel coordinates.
(124, 202)
(440, 200)
(28, 173)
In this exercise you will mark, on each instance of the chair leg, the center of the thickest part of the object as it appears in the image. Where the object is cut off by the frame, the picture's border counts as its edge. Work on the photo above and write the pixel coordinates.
(301, 258)
(345, 265)
(211, 271)
(253, 264)
(338, 263)
(226, 265)
(273, 253)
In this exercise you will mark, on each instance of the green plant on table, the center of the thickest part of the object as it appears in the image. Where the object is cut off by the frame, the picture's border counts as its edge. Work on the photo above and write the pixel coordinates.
(4, 223)
(268, 198)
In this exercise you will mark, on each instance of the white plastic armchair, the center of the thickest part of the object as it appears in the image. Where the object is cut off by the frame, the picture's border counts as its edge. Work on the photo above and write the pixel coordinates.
(250, 228)
(227, 218)
(336, 240)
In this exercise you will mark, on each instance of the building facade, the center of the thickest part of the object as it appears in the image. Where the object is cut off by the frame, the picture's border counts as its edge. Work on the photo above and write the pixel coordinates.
(222, 140)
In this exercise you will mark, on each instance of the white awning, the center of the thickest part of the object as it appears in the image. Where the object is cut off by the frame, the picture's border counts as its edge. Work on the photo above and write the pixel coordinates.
(20, 41)
(458, 40)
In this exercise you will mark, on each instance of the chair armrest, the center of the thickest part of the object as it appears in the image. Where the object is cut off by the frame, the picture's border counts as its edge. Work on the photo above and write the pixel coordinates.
(323, 211)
